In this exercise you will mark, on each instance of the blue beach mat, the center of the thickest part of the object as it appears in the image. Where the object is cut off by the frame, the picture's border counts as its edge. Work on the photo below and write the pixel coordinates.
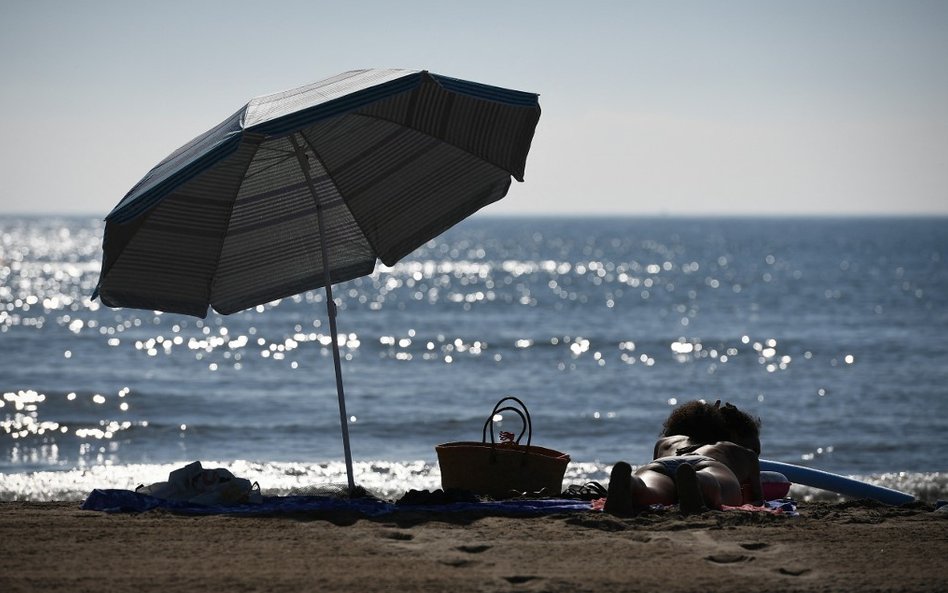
(127, 501)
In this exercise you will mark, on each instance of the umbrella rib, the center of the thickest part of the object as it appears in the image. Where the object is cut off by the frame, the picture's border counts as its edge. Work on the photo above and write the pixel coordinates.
(256, 140)
(277, 150)
(442, 141)
(279, 192)
(276, 161)
(332, 180)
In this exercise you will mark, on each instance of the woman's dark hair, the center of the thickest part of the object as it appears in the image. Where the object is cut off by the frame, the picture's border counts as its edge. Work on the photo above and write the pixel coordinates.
(696, 420)
(743, 428)
(709, 423)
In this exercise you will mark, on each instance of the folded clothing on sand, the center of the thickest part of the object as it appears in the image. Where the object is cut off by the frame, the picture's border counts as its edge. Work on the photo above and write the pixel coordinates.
(195, 484)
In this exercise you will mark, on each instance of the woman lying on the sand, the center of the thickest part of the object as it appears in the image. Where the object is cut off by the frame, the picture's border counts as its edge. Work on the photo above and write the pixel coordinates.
(707, 456)
(698, 423)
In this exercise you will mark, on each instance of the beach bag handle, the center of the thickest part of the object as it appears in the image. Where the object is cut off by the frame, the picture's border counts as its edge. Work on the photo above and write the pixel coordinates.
(524, 417)
(520, 436)
(527, 427)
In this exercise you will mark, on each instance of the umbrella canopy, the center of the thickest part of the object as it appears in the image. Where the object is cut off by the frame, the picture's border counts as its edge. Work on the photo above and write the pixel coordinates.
(309, 187)
(395, 158)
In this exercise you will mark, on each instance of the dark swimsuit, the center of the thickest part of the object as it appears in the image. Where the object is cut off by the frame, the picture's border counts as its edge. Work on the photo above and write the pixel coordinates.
(669, 465)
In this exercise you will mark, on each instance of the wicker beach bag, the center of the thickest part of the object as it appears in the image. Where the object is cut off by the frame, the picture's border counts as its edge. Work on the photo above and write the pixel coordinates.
(506, 469)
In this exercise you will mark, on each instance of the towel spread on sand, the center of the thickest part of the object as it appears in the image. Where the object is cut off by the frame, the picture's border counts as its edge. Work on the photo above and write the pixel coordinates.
(127, 501)
(779, 506)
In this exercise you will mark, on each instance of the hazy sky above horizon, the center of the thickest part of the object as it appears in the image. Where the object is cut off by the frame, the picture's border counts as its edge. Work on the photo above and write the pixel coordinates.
(682, 108)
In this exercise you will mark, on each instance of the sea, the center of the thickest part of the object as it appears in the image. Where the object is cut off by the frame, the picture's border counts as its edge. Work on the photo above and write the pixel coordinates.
(833, 331)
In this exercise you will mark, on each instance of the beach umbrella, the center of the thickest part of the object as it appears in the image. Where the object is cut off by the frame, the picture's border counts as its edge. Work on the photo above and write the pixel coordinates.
(305, 188)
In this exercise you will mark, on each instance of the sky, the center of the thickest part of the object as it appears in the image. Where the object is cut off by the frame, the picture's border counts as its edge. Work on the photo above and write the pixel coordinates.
(830, 107)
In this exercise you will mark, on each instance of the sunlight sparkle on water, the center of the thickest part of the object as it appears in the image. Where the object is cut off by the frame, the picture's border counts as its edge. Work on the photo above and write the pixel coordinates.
(548, 293)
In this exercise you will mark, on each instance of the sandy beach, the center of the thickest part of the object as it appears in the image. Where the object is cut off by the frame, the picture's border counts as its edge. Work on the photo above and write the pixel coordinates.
(850, 546)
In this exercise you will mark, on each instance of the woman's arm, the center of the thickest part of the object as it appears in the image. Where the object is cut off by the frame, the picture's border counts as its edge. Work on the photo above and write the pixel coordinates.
(745, 465)
(755, 493)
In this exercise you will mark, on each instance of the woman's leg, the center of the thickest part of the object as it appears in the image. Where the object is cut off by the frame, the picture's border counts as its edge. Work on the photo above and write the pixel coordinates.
(719, 486)
(628, 492)
(690, 490)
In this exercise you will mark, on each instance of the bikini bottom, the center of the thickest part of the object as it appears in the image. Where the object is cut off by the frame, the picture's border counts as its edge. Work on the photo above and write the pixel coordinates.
(669, 465)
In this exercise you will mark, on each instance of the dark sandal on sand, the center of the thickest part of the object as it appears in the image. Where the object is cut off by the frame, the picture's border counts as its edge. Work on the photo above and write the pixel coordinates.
(587, 491)
(690, 500)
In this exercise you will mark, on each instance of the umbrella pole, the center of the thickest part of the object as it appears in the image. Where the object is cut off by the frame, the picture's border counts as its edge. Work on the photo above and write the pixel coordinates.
(331, 311)
(340, 392)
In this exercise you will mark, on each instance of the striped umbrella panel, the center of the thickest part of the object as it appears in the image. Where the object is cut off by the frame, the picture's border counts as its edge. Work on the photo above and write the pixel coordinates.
(384, 177)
